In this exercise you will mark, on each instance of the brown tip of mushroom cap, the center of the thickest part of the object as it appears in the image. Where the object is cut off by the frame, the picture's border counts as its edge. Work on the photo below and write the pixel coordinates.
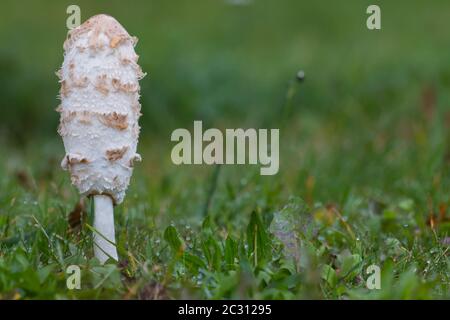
(101, 23)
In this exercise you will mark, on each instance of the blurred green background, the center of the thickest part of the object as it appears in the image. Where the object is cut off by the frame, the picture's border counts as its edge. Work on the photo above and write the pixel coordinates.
(367, 131)
(212, 60)
(367, 97)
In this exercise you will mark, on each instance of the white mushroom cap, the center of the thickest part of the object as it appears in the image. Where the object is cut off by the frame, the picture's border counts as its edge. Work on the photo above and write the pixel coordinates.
(100, 106)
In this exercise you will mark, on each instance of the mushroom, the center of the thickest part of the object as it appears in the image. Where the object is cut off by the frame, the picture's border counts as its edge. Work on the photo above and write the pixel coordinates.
(99, 115)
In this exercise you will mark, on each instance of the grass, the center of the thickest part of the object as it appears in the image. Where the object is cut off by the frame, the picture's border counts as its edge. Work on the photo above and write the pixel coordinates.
(364, 174)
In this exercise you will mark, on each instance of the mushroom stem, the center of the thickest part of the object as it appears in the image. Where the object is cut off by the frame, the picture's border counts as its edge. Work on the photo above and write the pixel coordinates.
(104, 236)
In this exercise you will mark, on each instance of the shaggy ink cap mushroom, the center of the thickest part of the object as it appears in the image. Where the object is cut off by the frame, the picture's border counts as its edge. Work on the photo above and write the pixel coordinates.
(100, 107)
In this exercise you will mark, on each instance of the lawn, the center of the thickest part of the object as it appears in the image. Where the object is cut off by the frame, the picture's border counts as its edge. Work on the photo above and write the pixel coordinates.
(364, 154)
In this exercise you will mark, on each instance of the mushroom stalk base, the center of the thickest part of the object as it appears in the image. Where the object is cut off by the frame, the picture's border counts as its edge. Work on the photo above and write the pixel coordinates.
(104, 226)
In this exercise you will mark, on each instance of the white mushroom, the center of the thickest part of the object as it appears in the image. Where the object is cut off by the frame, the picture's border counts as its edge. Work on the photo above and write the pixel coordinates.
(99, 118)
